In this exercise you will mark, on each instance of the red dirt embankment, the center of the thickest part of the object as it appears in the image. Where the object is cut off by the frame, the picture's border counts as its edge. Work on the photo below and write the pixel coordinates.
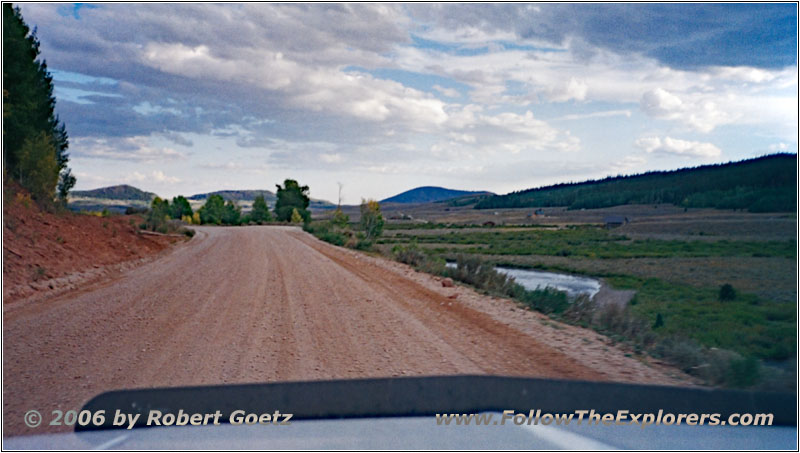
(45, 251)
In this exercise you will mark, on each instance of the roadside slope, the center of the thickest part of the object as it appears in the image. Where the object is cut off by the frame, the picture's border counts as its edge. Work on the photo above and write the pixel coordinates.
(257, 304)
(46, 251)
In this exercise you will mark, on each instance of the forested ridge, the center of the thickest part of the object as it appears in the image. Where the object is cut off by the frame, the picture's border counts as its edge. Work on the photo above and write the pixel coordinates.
(763, 184)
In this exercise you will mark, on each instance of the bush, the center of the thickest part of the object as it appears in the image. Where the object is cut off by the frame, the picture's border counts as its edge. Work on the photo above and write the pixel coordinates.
(362, 244)
(742, 372)
(547, 300)
(411, 255)
(340, 219)
(296, 217)
(333, 238)
(325, 231)
(134, 210)
(684, 354)
(482, 275)
(726, 292)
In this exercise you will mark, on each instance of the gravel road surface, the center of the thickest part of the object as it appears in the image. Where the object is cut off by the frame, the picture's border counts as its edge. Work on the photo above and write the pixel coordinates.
(257, 304)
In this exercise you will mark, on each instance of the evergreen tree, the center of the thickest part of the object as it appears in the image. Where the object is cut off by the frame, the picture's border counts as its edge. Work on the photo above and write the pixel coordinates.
(66, 182)
(231, 214)
(290, 197)
(29, 110)
(180, 207)
(212, 211)
(260, 212)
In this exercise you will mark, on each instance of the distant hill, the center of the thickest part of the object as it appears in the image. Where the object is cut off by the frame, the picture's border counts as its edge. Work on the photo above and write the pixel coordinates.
(246, 197)
(429, 194)
(113, 199)
(764, 184)
(120, 192)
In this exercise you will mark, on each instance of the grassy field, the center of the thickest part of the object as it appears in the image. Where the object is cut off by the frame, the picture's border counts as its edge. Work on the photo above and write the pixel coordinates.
(676, 260)
(591, 242)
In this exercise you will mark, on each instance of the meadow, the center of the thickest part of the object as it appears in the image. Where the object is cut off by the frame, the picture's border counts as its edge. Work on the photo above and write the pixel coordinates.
(677, 280)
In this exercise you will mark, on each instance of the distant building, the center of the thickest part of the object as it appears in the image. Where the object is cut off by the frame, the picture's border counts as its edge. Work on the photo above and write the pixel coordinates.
(614, 221)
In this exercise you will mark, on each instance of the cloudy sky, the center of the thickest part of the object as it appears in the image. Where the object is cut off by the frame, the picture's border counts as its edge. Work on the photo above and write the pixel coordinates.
(188, 98)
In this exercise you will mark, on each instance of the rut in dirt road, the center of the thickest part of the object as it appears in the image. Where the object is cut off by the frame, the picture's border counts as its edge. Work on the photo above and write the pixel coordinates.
(252, 304)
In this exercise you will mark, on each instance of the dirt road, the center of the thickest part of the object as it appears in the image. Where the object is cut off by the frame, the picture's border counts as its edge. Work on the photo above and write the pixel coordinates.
(256, 304)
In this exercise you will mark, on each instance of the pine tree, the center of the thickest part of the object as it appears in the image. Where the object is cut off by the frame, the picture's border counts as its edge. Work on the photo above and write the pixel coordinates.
(180, 207)
(260, 212)
(290, 197)
(29, 110)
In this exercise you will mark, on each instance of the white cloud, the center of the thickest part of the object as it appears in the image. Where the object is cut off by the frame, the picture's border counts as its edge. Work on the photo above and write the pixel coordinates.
(509, 133)
(156, 176)
(661, 103)
(602, 114)
(305, 87)
(464, 138)
(675, 146)
(700, 100)
(783, 147)
(128, 148)
(449, 92)
(574, 89)
(331, 158)
(700, 111)
(628, 163)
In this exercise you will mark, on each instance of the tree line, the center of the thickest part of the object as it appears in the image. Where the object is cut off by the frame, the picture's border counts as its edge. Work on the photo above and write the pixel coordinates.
(35, 140)
(764, 184)
(291, 206)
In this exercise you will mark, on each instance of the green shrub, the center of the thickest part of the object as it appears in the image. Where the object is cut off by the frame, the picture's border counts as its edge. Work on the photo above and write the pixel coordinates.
(547, 300)
(742, 372)
(409, 254)
(340, 219)
(685, 354)
(482, 275)
(333, 237)
(726, 292)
